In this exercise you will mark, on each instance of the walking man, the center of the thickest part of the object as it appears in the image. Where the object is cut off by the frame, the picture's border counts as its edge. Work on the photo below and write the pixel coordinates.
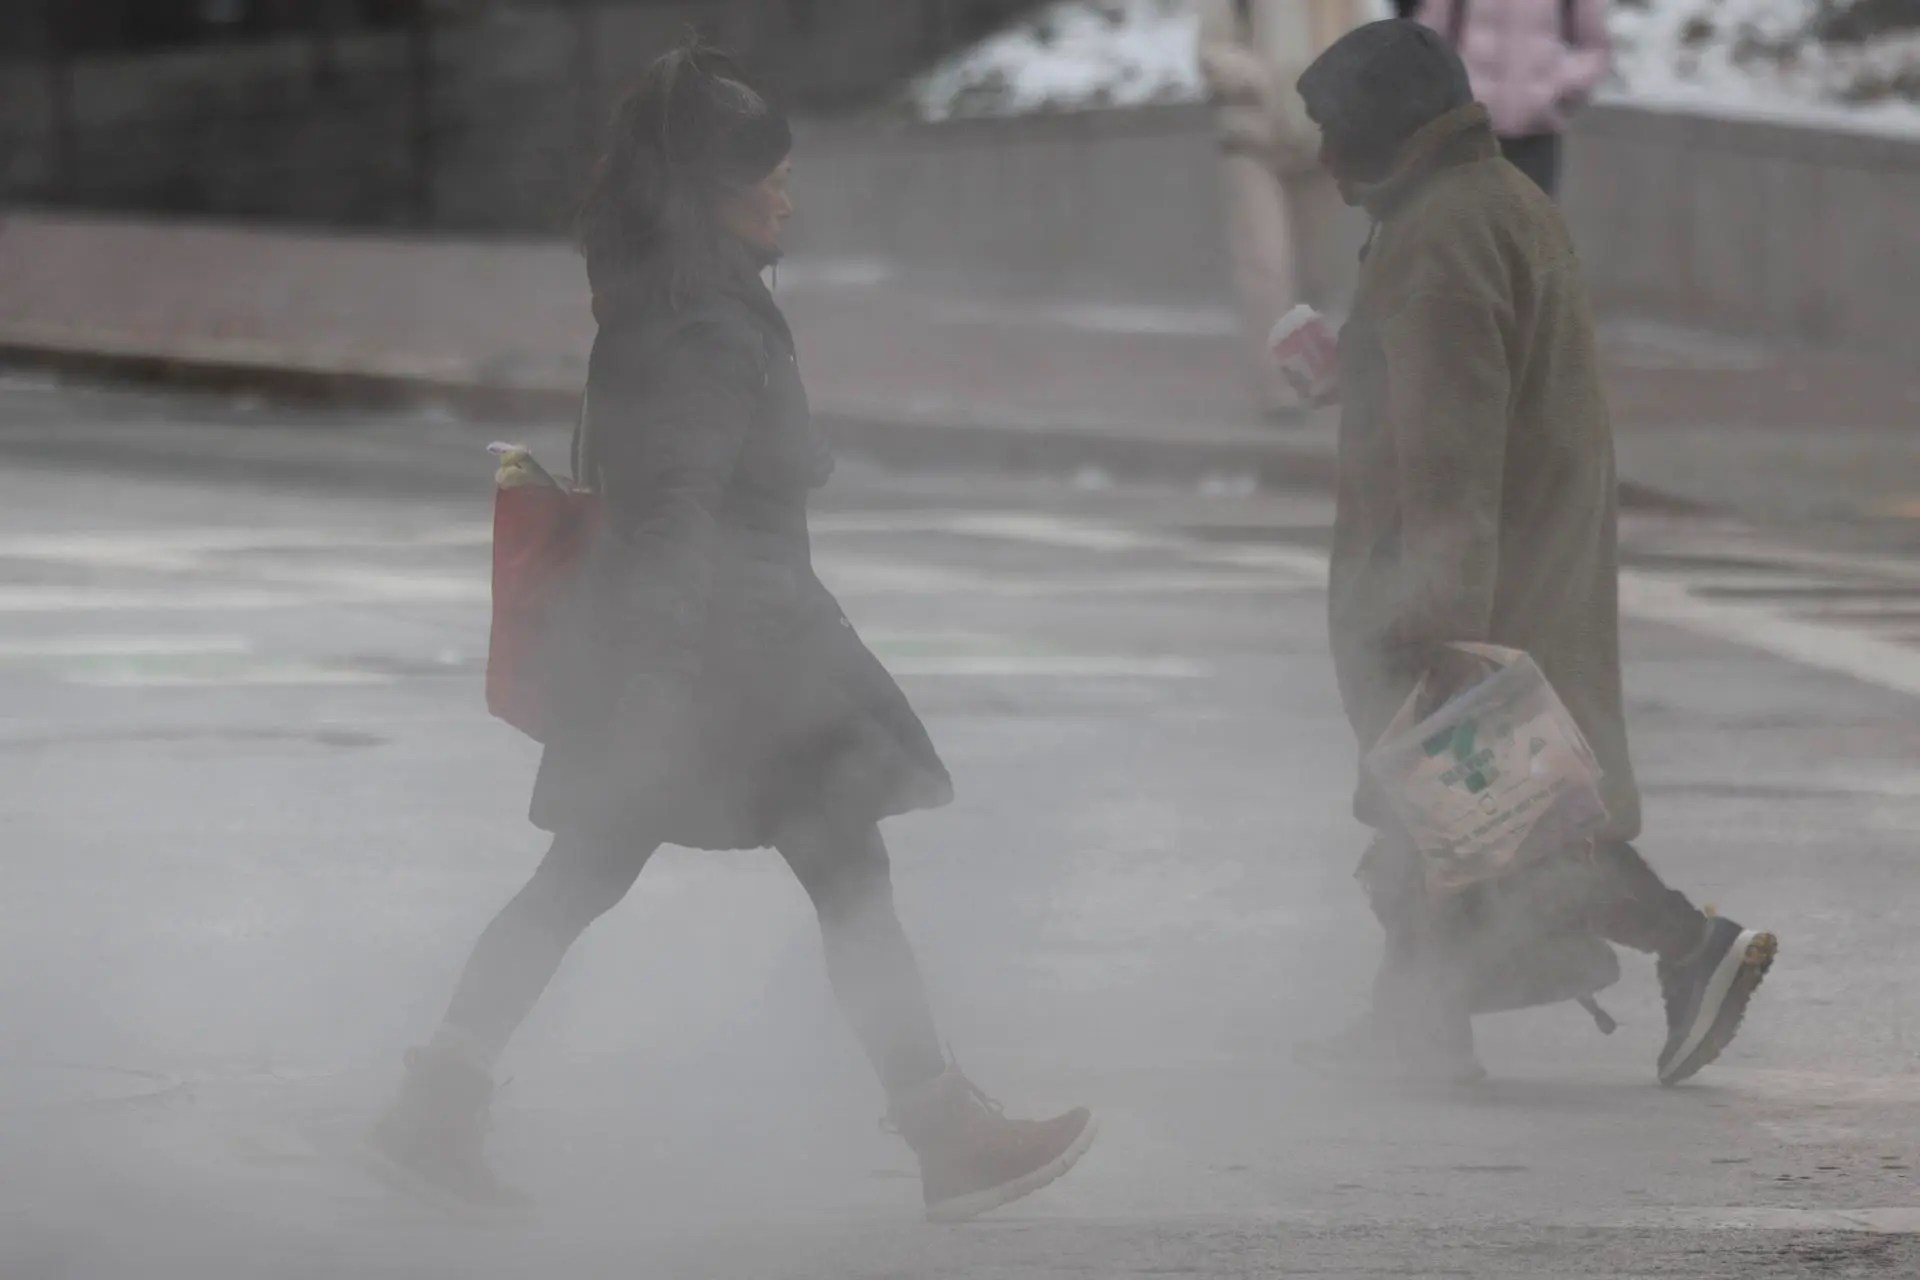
(1477, 503)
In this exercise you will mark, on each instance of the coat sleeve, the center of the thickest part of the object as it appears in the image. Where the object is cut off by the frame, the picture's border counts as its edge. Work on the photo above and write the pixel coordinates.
(1234, 72)
(676, 424)
(1448, 389)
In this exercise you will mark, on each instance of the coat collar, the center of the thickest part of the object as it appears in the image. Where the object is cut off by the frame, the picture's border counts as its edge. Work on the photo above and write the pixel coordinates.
(644, 290)
(1462, 136)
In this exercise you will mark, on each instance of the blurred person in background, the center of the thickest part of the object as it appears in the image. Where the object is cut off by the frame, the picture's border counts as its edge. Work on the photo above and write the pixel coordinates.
(1279, 202)
(1476, 503)
(1533, 63)
(708, 691)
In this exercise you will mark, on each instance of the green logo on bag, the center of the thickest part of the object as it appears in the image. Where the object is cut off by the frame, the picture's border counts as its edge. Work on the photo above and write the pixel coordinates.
(1460, 740)
(1472, 763)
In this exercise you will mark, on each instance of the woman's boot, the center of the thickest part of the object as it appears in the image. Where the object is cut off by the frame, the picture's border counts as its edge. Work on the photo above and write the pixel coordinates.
(972, 1158)
(433, 1138)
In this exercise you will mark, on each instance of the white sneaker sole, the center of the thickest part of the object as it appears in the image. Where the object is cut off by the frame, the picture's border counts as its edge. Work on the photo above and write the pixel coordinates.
(973, 1204)
(1731, 988)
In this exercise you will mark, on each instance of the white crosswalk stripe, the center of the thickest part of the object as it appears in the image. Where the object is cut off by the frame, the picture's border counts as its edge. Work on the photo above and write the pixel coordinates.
(1772, 616)
(121, 646)
(76, 586)
(1850, 614)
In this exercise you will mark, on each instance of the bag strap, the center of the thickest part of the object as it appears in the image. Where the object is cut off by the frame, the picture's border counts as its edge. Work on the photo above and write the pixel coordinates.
(582, 455)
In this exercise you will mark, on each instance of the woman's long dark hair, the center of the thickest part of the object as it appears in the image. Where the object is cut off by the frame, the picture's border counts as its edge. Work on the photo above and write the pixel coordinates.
(692, 129)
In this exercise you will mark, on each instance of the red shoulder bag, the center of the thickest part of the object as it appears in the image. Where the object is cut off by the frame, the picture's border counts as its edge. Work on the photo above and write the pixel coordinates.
(541, 529)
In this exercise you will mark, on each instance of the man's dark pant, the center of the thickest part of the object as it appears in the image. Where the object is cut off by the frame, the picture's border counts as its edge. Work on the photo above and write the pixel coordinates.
(1609, 893)
(1538, 156)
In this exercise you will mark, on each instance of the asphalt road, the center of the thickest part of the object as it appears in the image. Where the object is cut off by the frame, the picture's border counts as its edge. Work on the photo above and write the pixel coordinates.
(255, 813)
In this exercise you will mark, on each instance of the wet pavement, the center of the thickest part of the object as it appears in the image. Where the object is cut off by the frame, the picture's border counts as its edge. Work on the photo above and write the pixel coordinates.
(256, 813)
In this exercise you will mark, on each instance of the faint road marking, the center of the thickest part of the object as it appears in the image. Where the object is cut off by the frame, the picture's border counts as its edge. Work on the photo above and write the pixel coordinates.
(977, 654)
(1048, 666)
(372, 589)
(1837, 649)
(1892, 1220)
(112, 599)
(282, 674)
(1645, 596)
(159, 548)
(1649, 596)
(124, 646)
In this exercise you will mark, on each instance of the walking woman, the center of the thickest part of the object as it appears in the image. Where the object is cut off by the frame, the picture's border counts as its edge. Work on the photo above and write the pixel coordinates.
(1533, 63)
(710, 693)
(1279, 202)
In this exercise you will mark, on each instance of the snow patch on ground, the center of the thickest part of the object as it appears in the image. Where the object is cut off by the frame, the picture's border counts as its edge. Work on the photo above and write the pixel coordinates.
(1765, 58)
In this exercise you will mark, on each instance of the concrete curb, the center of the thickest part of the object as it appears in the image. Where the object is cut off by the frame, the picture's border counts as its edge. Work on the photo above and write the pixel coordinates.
(903, 440)
(239, 366)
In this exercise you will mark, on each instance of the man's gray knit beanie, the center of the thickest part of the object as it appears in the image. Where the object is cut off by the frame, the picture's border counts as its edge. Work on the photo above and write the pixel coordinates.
(1380, 84)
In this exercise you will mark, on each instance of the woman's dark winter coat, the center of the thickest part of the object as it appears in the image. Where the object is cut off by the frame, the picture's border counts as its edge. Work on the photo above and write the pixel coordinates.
(710, 689)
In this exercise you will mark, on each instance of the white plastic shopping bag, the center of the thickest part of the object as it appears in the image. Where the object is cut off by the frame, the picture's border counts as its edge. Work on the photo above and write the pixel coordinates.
(1498, 776)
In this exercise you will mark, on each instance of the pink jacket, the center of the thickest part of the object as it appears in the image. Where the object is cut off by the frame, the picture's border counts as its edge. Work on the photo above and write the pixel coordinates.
(1532, 61)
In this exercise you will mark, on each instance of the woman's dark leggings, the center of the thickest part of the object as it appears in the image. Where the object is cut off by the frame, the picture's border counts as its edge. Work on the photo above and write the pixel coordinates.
(846, 873)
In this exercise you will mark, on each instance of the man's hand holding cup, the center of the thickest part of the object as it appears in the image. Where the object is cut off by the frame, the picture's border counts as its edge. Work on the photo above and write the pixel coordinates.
(1307, 349)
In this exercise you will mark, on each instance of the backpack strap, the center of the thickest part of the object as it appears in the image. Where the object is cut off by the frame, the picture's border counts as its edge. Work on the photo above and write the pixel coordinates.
(1457, 24)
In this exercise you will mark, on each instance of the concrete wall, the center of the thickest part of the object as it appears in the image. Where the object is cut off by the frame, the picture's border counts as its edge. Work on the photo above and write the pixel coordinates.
(1797, 232)
(1094, 204)
(1102, 205)
(1792, 232)
(1750, 227)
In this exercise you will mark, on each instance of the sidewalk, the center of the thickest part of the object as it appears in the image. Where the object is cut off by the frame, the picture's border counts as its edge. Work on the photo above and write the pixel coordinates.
(906, 374)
